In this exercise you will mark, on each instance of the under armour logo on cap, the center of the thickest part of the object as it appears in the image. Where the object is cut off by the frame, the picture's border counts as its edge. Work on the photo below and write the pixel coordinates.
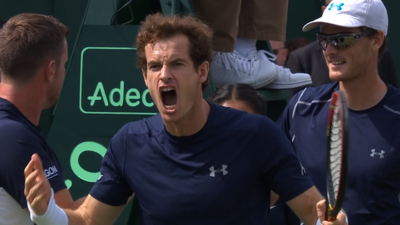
(353, 13)
(373, 153)
(223, 170)
(338, 6)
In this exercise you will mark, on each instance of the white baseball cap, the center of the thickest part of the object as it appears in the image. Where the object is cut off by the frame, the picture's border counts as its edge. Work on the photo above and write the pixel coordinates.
(354, 13)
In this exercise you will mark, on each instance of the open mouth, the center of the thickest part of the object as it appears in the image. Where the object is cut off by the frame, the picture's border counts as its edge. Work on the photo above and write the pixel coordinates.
(168, 95)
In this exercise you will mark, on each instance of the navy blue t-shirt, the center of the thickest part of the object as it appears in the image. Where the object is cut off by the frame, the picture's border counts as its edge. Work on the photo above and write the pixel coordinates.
(373, 188)
(19, 140)
(223, 174)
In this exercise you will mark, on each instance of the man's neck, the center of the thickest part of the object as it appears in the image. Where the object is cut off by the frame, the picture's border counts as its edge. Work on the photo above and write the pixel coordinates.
(365, 93)
(25, 99)
(192, 123)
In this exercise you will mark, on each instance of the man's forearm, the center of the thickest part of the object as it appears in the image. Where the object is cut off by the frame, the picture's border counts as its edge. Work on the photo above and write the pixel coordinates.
(75, 217)
(78, 202)
(304, 206)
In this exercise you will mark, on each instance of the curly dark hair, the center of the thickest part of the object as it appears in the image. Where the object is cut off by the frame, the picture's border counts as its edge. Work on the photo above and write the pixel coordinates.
(157, 27)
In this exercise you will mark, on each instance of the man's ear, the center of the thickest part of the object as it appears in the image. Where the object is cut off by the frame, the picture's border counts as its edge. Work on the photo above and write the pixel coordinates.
(203, 70)
(378, 39)
(144, 76)
(50, 70)
(323, 8)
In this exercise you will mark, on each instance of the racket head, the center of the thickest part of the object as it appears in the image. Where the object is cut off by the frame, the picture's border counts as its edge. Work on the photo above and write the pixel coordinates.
(337, 155)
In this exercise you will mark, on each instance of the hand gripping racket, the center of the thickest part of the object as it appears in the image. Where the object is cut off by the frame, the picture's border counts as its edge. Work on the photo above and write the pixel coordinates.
(337, 155)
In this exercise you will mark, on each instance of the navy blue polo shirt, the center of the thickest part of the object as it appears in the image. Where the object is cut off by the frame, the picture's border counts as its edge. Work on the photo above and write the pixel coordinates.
(223, 174)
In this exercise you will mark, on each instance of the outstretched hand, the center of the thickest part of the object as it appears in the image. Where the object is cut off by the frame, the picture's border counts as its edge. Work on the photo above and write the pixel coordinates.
(340, 219)
(37, 187)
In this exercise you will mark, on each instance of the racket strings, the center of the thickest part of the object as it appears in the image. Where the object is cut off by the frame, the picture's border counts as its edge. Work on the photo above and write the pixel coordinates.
(337, 155)
(335, 150)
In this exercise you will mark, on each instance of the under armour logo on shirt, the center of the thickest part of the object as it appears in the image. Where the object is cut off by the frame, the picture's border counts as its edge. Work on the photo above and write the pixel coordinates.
(373, 153)
(339, 6)
(223, 170)
(303, 170)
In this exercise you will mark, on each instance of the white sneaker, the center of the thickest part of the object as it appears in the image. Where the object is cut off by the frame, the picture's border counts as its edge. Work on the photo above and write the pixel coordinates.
(232, 68)
(285, 79)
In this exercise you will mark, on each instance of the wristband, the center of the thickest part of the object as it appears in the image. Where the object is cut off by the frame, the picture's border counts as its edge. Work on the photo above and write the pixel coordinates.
(345, 216)
(53, 215)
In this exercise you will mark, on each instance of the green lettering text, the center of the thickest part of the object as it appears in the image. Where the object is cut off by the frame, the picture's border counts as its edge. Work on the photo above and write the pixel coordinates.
(95, 96)
(74, 160)
(136, 96)
(120, 91)
(145, 103)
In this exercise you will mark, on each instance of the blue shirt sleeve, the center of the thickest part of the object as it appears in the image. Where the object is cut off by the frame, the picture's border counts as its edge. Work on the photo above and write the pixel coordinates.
(281, 165)
(111, 187)
(284, 124)
(18, 144)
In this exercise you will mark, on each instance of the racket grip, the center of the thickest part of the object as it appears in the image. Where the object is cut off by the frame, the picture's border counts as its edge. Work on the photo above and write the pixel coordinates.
(327, 210)
(331, 218)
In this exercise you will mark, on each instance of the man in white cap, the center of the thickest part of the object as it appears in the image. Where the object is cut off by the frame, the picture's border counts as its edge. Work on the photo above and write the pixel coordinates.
(353, 37)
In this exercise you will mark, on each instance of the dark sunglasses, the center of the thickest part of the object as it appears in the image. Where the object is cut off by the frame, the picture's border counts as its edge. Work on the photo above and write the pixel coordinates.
(341, 41)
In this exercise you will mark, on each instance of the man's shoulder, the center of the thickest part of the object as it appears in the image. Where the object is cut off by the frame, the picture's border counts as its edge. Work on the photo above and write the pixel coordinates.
(14, 129)
(227, 117)
(392, 99)
(151, 125)
(318, 94)
(11, 120)
(17, 139)
(242, 125)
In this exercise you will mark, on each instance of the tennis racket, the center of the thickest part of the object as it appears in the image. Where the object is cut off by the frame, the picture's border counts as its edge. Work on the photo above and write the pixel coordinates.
(337, 155)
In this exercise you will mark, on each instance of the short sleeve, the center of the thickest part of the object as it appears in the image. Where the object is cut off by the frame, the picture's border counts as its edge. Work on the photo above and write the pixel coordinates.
(281, 167)
(18, 144)
(111, 188)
